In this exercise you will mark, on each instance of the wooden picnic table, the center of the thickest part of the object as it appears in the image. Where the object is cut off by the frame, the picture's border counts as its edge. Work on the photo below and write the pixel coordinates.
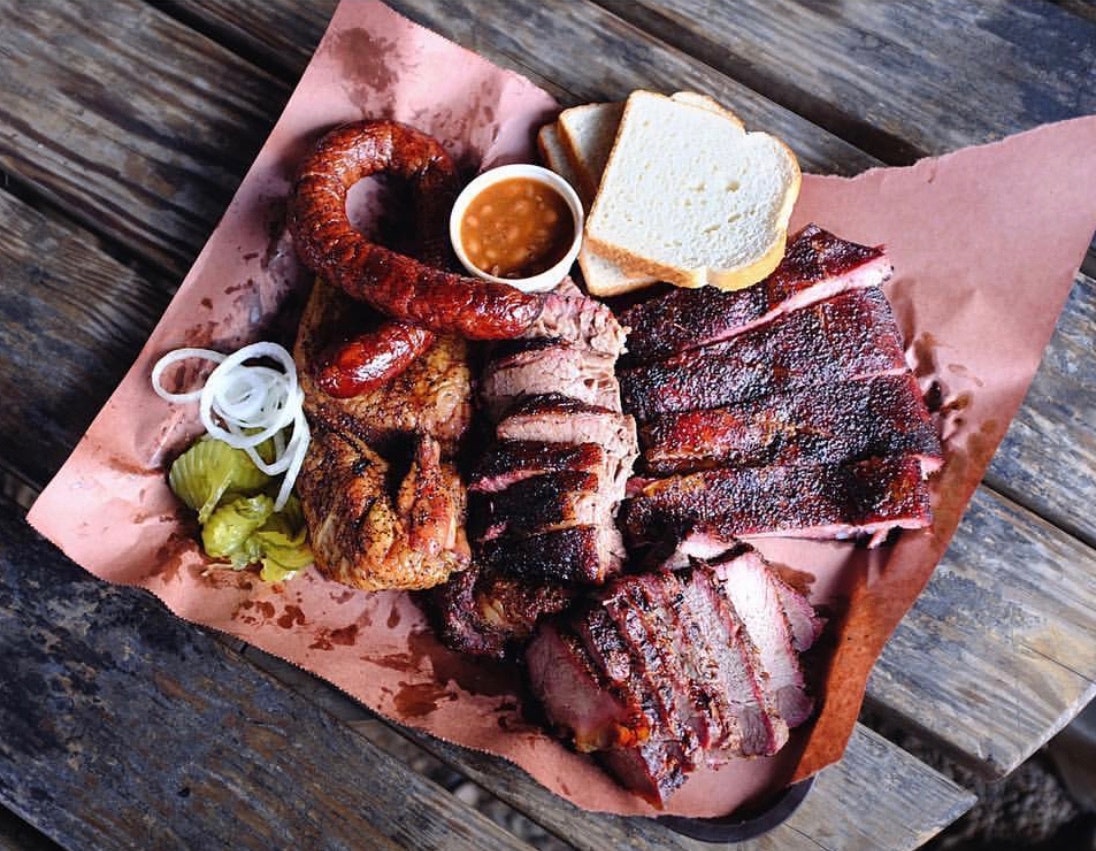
(125, 127)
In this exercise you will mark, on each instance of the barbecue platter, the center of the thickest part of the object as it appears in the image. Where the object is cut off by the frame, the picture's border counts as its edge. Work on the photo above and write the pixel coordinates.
(572, 483)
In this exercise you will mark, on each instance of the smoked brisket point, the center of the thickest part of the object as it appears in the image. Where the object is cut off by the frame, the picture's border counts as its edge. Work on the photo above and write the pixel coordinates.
(660, 673)
(543, 499)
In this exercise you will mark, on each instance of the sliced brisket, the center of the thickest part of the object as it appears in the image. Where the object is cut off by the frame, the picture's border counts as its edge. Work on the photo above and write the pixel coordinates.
(571, 370)
(552, 418)
(816, 265)
(585, 554)
(591, 711)
(575, 318)
(658, 674)
(538, 504)
(511, 461)
(751, 587)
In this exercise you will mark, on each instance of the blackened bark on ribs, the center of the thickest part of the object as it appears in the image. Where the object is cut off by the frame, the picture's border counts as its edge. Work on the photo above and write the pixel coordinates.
(849, 336)
(863, 498)
(816, 265)
(827, 424)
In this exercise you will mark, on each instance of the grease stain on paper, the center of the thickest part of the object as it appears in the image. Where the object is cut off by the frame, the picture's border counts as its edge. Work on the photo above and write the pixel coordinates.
(369, 67)
(414, 700)
(329, 639)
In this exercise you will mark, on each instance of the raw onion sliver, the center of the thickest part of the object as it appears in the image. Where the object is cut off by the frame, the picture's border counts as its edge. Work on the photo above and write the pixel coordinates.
(245, 405)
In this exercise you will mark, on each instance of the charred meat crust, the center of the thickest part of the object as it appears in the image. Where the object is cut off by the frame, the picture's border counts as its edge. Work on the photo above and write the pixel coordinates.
(849, 336)
(824, 501)
(816, 265)
(831, 423)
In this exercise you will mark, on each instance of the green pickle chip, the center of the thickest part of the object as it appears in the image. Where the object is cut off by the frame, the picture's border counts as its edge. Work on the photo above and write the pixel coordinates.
(237, 517)
(228, 532)
(209, 470)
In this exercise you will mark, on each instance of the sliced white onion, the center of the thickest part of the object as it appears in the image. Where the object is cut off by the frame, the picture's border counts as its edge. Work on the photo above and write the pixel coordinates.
(173, 358)
(245, 405)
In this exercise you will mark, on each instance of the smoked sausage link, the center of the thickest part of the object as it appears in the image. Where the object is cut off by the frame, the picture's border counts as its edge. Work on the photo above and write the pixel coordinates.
(399, 286)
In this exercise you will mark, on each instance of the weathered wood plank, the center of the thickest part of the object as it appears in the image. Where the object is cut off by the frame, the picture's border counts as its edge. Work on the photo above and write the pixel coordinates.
(900, 803)
(998, 652)
(225, 757)
(279, 36)
(71, 320)
(901, 80)
(1047, 460)
(151, 165)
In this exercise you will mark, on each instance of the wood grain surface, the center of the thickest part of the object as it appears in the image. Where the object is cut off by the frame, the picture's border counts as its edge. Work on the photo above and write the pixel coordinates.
(121, 144)
(125, 726)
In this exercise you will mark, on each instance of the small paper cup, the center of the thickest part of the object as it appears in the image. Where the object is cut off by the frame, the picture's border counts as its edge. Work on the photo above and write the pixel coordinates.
(542, 281)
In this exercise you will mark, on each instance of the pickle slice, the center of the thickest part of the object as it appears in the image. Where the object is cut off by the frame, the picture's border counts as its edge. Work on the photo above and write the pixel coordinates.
(229, 532)
(208, 470)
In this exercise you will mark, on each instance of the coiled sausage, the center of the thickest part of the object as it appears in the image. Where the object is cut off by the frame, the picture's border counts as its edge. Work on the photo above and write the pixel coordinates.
(402, 287)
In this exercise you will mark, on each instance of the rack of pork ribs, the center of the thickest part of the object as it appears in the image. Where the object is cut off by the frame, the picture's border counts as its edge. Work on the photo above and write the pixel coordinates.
(609, 555)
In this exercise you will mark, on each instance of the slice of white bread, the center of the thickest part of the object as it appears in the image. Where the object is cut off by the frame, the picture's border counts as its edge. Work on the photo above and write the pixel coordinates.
(553, 153)
(588, 133)
(689, 197)
(602, 277)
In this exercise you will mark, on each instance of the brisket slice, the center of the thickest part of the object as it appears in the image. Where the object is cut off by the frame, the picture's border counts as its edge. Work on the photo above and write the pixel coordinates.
(862, 498)
(832, 423)
(586, 553)
(578, 319)
(511, 461)
(660, 671)
(751, 587)
(591, 711)
(569, 369)
(816, 265)
(851, 335)
(653, 763)
(755, 728)
(706, 707)
(492, 616)
(538, 504)
(552, 418)
(555, 418)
